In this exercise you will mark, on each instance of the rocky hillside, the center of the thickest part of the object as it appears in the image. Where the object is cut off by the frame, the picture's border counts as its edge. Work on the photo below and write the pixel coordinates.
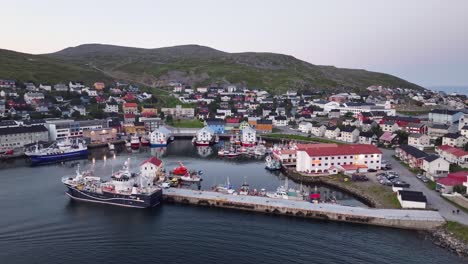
(201, 65)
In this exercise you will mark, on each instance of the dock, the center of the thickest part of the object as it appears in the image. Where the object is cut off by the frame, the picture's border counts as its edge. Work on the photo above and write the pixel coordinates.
(396, 218)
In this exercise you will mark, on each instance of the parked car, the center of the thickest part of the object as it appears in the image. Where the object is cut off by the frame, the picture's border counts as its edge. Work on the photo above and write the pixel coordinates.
(424, 179)
(419, 176)
(371, 170)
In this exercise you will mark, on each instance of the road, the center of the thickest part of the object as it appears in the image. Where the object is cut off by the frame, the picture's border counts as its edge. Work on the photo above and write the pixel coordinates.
(434, 200)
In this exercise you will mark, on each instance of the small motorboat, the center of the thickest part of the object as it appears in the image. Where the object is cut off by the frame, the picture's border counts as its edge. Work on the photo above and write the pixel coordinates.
(135, 142)
(181, 170)
(191, 177)
(111, 146)
(245, 188)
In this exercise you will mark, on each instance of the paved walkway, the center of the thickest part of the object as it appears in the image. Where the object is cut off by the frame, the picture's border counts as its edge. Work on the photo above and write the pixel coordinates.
(433, 198)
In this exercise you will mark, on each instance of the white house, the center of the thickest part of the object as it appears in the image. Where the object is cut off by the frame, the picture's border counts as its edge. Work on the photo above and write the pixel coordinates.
(205, 134)
(159, 137)
(45, 87)
(435, 167)
(111, 108)
(76, 85)
(419, 141)
(249, 136)
(318, 130)
(332, 132)
(80, 109)
(91, 92)
(60, 87)
(151, 167)
(367, 138)
(29, 97)
(454, 140)
(389, 126)
(280, 121)
(453, 155)
(411, 199)
(305, 127)
(349, 134)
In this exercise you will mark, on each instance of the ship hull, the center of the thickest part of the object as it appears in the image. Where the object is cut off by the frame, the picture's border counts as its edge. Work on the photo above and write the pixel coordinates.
(37, 159)
(248, 144)
(134, 200)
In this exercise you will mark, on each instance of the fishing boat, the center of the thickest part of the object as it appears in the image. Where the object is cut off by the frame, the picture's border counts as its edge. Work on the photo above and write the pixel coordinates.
(315, 196)
(221, 152)
(58, 151)
(279, 194)
(191, 177)
(6, 151)
(180, 170)
(272, 164)
(245, 188)
(144, 141)
(225, 188)
(123, 189)
(135, 142)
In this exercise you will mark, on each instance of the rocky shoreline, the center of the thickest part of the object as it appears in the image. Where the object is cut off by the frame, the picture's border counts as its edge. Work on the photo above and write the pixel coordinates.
(445, 239)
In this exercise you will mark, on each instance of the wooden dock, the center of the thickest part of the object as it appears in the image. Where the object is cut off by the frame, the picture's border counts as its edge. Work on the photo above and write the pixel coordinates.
(396, 218)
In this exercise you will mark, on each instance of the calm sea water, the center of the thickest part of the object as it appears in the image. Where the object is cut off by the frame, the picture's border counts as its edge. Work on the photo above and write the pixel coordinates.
(451, 89)
(39, 224)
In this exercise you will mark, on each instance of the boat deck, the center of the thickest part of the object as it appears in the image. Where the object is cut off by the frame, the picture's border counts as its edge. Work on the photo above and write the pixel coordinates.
(402, 218)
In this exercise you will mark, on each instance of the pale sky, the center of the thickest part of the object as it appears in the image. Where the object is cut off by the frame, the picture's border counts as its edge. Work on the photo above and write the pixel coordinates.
(423, 41)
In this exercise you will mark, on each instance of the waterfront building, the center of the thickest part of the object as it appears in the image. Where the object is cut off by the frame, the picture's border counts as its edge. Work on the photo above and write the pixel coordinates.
(18, 136)
(151, 167)
(249, 137)
(445, 116)
(159, 137)
(216, 125)
(205, 134)
(67, 128)
(412, 199)
(101, 135)
(151, 123)
(326, 158)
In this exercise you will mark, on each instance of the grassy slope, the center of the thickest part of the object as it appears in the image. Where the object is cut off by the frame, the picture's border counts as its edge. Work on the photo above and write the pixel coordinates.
(203, 66)
(36, 68)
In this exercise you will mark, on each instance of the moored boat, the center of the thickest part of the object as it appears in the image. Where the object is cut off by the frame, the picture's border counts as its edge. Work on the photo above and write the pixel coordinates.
(180, 170)
(135, 142)
(58, 151)
(272, 164)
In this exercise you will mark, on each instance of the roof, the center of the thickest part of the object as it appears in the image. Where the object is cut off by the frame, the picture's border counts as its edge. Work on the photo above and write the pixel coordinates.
(152, 160)
(412, 196)
(353, 167)
(264, 122)
(214, 121)
(431, 158)
(130, 105)
(389, 123)
(458, 174)
(457, 178)
(332, 128)
(452, 135)
(439, 126)
(453, 150)
(416, 135)
(415, 125)
(348, 129)
(367, 134)
(387, 136)
(356, 149)
(412, 151)
(22, 130)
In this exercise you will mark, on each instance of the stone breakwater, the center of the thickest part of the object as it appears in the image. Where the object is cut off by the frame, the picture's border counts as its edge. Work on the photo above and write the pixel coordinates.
(443, 238)
(396, 218)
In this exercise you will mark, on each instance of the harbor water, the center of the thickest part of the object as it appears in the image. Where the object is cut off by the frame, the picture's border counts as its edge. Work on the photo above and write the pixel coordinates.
(39, 223)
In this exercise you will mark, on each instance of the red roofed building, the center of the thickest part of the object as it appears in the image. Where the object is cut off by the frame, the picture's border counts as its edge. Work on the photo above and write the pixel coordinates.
(453, 155)
(130, 108)
(151, 167)
(446, 184)
(322, 158)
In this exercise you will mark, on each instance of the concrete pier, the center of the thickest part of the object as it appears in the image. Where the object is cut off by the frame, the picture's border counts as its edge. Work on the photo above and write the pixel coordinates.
(396, 218)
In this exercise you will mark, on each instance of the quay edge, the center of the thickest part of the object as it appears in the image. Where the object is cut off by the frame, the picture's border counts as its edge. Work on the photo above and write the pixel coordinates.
(395, 218)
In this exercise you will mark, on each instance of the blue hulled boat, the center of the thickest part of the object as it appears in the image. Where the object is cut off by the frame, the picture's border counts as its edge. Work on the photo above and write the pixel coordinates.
(58, 151)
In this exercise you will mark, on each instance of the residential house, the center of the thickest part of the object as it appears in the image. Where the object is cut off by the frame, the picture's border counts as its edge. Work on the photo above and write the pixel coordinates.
(305, 127)
(45, 87)
(232, 123)
(111, 108)
(60, 87)
(264, 126)
(280, 121)
(80, 109)
(334, 113)
(419, 128)
(389, 126)
(332, 132)
(76, 85)
(454, 140)
(248, 137)
(367, 138)
(149, 110)
(7, 83)
(445, 185)
(419, 141)
(129, 119)
(349, 134)
(151, 168)
(437, 130)
(410, 155)
(435, 167)
(31, 97)
(318, 130)
(453, 155)
(99, 85)
(463, 121)
(130, 108)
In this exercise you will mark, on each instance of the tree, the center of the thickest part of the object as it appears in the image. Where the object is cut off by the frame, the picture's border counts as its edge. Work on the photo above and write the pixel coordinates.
(169, 119)
(76, 114)
(403, 136)
(438, 141)
(459, 189)
(75, 101)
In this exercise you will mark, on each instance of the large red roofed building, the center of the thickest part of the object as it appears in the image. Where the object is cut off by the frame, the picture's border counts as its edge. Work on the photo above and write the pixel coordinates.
(130, 108)
(453, 155)
(324, 159)
(446, 184)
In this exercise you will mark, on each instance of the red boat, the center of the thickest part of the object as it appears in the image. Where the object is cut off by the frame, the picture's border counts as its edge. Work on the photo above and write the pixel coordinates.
(181, 170)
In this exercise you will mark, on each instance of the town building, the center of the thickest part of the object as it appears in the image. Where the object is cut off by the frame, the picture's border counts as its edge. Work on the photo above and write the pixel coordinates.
(318, 130)
(419, 141)
(111, 108)
(367, 138)
(151, 168)
(151, 123)
(216, 125)
(280, 121)
(437, 130)
(67, 128)
(328, 157)
(445, 185)
(263, 126)
(435, 167)
(30, 97)
(454, 140)
(179, 112)
(444, 116)
(389, 126)
(419, 128)
(305, 127)
(99, 85)
(349, 134)
(453, 155)
(412, 199)
(130, 108)
(463, 121)
(60, 87)
(332, 132)
(18, 136)
(101, 135)
(410, 155)
(148, 110)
